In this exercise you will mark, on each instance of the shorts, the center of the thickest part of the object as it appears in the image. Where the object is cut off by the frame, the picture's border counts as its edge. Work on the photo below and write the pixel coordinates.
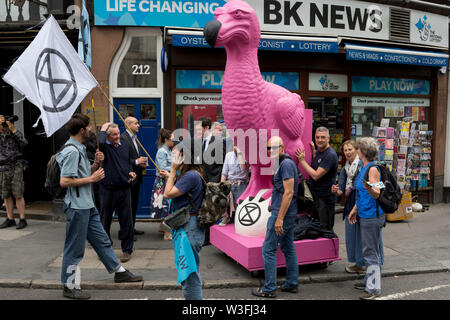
(11, 182)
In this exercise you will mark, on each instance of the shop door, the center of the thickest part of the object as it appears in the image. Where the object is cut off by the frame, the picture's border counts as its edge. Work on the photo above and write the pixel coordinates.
(148, 113)
(330, 113)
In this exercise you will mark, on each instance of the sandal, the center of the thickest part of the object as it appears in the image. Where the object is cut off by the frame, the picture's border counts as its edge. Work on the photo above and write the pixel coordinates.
(259, 293)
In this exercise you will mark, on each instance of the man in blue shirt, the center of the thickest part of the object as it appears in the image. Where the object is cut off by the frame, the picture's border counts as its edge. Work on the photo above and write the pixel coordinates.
(83, 220)
(280, 226)
(115, 189)
(322, 171)
(236, 170)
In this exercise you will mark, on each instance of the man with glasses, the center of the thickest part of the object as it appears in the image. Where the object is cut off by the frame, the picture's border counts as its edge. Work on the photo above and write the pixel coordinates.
(280, 226)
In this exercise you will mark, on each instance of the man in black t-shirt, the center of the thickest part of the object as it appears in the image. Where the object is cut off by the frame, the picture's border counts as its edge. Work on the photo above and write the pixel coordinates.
(323, 171)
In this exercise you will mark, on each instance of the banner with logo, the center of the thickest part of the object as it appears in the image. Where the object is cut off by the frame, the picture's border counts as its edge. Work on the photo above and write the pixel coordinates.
(328, 82)
(429, 29)
(212, 79)
(51, 75)
(320, 17)
(390, 85)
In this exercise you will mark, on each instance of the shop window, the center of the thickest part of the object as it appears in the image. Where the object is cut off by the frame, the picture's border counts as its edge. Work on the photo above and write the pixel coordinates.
(401, 127)
(139, 66)
(200, 105)
(126, 110)
(148, 112)
(329, 113)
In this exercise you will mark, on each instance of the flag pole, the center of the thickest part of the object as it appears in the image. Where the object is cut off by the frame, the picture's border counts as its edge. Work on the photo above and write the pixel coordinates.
(95, 123)
(123, 120)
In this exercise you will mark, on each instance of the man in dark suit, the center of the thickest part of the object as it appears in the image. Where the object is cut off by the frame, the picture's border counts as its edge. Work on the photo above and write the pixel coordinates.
(138, 163)
(211, 145)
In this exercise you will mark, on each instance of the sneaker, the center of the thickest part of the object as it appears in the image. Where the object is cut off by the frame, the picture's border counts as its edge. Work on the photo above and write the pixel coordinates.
(126, 276)
(355, 269)
(22, 224)
(75, 294)
(359, 286)
(290, 290)
(8, 223)
(369, 296)
(225, 221)
(125, 257)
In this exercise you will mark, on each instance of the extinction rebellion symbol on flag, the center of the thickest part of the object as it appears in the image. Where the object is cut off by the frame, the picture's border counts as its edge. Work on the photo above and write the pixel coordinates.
(44, 73)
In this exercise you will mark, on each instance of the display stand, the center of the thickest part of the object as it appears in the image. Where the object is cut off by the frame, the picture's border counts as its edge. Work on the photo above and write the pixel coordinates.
(247, 251)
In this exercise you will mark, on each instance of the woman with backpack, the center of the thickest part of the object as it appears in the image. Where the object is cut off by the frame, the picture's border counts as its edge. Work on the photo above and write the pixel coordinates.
(370, 215)
(347, 188)
(189, 181)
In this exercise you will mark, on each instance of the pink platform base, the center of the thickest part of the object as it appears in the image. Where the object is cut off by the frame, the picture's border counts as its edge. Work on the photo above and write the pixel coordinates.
(247, 251)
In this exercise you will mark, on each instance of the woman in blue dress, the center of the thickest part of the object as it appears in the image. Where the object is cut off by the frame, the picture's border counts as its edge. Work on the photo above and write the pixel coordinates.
(159, 207)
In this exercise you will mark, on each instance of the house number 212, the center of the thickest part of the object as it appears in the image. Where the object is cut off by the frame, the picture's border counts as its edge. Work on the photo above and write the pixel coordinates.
(140, 69)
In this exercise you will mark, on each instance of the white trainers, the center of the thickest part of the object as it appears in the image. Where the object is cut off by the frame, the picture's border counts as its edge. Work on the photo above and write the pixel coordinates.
(225, 220)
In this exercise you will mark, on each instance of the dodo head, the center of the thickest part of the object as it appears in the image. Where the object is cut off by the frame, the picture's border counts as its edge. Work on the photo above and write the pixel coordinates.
(236, 23)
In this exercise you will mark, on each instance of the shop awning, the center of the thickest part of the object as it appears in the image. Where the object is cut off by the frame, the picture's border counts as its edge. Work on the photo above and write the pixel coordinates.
(189, 38)
(396, 55)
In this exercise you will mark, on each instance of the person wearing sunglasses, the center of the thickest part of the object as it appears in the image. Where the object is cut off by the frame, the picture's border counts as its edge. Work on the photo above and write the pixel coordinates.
(280, 225)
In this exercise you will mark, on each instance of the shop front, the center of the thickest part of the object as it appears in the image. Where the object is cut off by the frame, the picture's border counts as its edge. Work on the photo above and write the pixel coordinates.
(358, 75)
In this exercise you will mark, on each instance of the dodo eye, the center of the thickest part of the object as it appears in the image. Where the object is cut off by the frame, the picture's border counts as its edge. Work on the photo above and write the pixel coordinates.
(237, 13)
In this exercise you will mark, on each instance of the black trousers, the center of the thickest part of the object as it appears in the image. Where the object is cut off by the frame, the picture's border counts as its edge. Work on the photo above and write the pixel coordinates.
(118, 200)
(135, 200)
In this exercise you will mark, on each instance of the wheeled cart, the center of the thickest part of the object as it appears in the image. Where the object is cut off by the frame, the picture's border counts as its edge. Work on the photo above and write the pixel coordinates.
(247, 251)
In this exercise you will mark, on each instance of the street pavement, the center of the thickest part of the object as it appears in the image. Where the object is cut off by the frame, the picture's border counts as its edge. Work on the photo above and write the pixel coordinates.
(31, 258)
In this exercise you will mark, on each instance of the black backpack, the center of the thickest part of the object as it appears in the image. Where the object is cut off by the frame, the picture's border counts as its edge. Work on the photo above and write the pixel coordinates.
(391, 195)
(53, 175)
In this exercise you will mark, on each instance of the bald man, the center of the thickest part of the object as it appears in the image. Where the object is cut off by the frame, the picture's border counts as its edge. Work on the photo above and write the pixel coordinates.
(139, 163)
(280, 226)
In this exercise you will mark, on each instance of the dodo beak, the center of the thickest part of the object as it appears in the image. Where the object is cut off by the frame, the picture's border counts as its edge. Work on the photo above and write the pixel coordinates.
(211, 31)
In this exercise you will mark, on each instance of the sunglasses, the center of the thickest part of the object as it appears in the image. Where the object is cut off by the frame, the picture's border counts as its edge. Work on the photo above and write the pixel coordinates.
(273, 148)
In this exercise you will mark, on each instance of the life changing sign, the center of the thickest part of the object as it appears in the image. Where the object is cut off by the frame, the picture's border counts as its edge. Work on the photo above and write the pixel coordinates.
(324, 17)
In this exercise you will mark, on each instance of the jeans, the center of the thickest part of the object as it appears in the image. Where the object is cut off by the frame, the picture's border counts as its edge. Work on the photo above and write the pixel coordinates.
(237, 190)
(192, 286)
(370, 238)
(286, 241)
(354, 246)
(82, 225)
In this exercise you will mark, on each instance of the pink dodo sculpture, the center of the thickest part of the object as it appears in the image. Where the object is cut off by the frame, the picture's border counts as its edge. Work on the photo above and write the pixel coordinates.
(248, 101)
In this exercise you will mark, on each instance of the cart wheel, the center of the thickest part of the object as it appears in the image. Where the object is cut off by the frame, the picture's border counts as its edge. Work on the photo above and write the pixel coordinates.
(254, 274)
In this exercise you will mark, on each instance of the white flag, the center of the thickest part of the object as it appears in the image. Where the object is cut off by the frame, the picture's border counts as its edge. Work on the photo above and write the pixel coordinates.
(51, 75)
